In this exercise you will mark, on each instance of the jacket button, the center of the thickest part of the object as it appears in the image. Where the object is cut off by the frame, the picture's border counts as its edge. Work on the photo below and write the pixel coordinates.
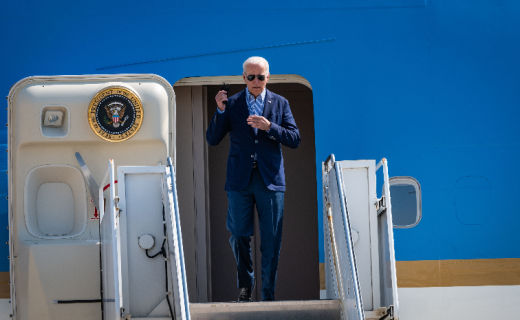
(256, 141)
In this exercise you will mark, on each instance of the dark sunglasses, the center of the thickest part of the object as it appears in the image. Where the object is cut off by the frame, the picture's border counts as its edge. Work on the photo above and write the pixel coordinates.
(260, 77)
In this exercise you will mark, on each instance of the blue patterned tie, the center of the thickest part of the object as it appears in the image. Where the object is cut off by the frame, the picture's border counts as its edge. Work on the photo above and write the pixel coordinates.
(254, 109)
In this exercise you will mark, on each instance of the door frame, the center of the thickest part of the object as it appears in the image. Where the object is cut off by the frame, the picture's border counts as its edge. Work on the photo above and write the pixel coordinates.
(198, 102)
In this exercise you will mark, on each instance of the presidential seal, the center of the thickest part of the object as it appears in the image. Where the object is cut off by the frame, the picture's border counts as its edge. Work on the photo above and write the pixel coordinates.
(115, 114)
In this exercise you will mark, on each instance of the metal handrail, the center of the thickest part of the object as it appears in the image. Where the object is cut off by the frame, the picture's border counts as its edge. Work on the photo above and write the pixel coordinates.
(182, 287)
(341, 282)
(388, 210)
(110, 178)
(350, 246)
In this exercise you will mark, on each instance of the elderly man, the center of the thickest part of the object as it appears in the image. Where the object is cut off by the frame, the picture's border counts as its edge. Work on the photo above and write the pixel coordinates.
(258, 121)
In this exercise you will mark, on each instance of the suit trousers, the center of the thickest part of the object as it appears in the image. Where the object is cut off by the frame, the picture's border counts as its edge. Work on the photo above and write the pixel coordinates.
(240, 222)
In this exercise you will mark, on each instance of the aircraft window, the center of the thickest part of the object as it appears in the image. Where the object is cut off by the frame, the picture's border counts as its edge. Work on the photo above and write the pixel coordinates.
(405, 193)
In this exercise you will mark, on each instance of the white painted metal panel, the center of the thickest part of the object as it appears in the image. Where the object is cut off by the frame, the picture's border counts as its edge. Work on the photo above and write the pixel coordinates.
(145, 194)
(141, 206)
(355, 185)
(456, 303)
(359, 187)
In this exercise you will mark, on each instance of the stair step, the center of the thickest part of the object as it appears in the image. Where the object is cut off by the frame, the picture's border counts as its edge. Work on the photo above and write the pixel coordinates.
(275, 310)
(272, 310)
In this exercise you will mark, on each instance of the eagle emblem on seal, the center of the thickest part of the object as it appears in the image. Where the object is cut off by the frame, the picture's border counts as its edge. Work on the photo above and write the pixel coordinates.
(116, 111)
(115, 114)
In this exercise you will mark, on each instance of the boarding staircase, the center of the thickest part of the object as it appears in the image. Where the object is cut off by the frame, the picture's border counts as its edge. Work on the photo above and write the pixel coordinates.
(344, 294)
(61, 270)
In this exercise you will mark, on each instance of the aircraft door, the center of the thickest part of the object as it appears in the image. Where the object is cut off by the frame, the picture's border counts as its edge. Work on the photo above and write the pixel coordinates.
(55, 227)
(201, 171)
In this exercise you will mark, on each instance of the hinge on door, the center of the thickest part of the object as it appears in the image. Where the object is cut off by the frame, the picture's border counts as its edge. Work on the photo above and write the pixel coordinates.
(381, 205)
(389, 314)
(116, 205)
(124, 315)
(326, 192)
(329, 163)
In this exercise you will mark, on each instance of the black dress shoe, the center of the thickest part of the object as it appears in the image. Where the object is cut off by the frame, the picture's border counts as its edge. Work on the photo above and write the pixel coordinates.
(244, 295)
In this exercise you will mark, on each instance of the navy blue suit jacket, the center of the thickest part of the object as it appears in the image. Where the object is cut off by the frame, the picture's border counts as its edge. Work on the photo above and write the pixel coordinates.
(244, 143)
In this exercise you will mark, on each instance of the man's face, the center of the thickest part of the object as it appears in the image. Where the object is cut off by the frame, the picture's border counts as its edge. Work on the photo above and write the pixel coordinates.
(255, 86)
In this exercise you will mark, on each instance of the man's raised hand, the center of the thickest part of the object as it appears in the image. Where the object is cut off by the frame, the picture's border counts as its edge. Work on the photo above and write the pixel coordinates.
(221, 99)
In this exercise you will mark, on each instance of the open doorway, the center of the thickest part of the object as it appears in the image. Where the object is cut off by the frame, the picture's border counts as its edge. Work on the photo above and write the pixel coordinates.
(201, 176)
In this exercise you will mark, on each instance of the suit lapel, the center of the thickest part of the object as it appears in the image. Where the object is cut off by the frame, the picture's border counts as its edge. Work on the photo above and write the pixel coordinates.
(244, 111)
(268, 105)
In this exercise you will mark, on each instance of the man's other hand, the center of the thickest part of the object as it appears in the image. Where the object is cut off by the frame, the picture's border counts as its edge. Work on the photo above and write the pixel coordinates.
(259, 122)
(220, 98)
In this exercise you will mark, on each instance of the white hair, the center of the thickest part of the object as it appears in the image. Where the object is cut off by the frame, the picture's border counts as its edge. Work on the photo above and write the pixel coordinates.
(257, 61)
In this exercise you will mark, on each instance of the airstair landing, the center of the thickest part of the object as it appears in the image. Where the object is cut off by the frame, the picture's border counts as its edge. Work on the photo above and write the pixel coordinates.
(274, 310)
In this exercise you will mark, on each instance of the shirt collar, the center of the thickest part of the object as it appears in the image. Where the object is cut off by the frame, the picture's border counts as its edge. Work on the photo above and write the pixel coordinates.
(251, 98)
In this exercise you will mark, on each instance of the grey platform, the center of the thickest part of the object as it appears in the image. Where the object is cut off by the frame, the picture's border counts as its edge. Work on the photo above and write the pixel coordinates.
(276, 310)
